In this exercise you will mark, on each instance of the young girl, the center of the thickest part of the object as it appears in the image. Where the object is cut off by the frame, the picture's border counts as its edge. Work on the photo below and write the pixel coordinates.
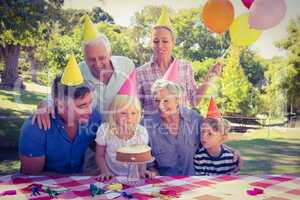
(213, 157)
(121, 129)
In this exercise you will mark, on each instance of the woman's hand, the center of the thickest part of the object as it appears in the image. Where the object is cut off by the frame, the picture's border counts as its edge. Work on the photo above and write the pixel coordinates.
(105, 177)
(42, 115)
(214, 70)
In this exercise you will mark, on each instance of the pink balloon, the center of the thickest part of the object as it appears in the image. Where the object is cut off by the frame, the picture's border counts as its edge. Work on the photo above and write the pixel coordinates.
(266, 14)
(247, 3)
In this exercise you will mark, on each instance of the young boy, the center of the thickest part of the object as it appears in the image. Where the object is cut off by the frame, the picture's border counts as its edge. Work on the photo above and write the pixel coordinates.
(213, 157)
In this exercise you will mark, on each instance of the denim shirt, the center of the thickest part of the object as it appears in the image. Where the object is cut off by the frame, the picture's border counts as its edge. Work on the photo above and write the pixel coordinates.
(174, 156)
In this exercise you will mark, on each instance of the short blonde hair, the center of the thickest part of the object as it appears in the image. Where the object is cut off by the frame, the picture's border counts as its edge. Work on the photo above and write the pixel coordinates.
(120, 103)
(172, 87)
(218, 124)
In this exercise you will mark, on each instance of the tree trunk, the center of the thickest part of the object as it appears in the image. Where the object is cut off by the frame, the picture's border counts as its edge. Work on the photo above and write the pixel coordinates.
(34, 64)
(10, 75)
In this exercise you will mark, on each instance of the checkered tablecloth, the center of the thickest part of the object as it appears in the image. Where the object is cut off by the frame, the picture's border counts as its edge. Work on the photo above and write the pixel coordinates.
(275, 187)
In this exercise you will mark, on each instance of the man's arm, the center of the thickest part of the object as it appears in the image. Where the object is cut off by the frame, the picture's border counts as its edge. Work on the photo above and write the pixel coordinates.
(32, 165)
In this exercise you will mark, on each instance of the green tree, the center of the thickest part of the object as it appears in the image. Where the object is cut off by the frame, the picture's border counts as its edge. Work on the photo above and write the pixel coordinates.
(254, 67)
(194, 41)
(274, 97)
(20, 26)
(292, 45)
(120, 40)
(235, 87)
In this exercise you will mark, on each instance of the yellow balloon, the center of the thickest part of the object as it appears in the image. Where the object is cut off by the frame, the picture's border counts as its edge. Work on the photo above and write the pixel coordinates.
(240, 32)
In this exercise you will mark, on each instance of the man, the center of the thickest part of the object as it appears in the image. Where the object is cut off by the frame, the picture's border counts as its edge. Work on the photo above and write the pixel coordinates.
(61, 148)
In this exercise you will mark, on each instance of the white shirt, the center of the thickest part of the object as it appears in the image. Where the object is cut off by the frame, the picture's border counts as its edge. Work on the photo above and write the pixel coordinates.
(104, 94)
(105, 137)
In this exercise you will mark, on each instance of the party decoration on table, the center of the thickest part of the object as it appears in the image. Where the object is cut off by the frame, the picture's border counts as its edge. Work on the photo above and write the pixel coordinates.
(53, 192)
(8, 192)
(115, 186)
(94, 190)
(255, 191)
(265, 14)
(240, 32)
(126, 195)
(218, 15)
(30, 187)
(247, 3)
(35, 190)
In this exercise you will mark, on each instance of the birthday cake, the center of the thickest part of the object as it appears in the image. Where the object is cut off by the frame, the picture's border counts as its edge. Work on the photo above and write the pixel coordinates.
(134, 153)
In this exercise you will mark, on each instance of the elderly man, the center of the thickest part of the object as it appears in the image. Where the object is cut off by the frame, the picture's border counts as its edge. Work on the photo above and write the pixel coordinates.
(61, 148)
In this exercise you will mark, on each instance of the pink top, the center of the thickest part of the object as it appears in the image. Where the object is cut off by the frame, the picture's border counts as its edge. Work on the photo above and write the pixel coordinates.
(149, 73)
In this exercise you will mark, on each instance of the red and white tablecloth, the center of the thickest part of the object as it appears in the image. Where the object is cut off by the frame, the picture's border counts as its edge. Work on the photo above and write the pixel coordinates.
(275, 187)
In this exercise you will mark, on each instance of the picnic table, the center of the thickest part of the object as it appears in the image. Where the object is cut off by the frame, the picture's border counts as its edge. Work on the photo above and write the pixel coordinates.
(273, 187)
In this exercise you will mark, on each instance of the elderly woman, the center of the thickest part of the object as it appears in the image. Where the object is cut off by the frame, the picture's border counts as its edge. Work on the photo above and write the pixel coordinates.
(163, 41)
(173, 131)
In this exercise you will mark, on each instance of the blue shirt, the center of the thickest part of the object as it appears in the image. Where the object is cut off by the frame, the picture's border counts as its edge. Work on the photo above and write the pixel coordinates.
(174, 156)
(62, 155)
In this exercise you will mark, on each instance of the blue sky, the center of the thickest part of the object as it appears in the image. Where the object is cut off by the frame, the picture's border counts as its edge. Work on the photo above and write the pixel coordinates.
(123, 10)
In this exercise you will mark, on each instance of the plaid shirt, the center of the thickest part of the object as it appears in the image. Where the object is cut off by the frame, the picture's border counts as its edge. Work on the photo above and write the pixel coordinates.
(150, 72)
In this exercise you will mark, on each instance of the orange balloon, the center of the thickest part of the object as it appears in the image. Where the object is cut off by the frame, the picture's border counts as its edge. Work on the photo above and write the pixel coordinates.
(217, 15)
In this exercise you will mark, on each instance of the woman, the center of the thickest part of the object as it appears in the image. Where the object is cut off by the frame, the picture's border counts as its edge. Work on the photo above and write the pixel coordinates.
(163, 41)
(173, 131)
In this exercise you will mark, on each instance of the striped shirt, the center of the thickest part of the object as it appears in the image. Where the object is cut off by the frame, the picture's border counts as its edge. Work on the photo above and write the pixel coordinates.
(150, 72)
(207, 165)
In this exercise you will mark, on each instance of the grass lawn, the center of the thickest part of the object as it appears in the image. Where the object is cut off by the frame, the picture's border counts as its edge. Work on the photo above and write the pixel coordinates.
(15, 107)
(269, 151)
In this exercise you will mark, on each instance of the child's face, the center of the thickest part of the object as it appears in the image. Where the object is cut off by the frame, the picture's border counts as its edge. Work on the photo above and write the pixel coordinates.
(210, 138)
(127, 117)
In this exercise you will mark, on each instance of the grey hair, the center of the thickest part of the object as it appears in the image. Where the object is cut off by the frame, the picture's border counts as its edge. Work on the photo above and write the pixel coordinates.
(172, 87)
(101, 39)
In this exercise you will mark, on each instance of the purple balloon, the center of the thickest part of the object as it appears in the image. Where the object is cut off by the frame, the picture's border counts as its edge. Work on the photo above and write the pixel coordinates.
(247, 3)
(265, 14)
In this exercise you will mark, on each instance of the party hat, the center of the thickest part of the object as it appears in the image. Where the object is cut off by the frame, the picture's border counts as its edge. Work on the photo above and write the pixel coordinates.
(213, 111)
(172, 74)
(89, 31)
(72, 75)
(164, 19)
(129, 86)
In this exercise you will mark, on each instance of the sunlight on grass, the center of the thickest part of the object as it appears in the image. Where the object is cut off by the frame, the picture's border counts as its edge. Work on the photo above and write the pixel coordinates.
(22, 103)
(268, 151)
(8, 167)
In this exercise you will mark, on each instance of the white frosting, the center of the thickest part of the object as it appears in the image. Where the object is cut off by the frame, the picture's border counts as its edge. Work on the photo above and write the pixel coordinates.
(138, 148)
